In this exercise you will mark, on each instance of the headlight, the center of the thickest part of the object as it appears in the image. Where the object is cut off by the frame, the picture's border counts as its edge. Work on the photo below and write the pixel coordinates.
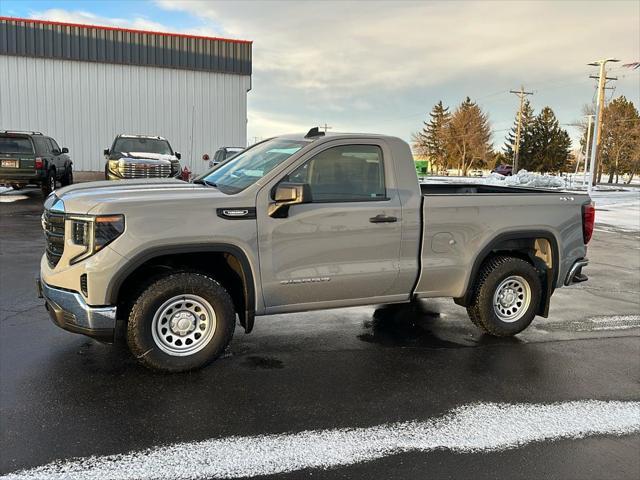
(94, 233)
(114, 165)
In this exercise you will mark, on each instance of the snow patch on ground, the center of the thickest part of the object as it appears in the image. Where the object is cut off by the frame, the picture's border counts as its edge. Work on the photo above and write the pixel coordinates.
(5, 189)
(468, 429)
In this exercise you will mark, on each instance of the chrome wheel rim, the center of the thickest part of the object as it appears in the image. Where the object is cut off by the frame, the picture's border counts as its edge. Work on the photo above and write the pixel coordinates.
(511, 299)
(183, 325)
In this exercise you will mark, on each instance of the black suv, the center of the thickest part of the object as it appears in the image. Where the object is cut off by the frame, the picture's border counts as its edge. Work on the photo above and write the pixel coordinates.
(33, 158)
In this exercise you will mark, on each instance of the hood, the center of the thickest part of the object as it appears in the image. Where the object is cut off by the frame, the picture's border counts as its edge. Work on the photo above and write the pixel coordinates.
(116, 196)
(141, 157)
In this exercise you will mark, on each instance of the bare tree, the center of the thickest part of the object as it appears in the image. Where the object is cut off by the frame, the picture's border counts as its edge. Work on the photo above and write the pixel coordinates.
(469, 135)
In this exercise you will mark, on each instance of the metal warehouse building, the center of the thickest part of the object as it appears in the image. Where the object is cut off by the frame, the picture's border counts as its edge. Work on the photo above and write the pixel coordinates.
(84, 84)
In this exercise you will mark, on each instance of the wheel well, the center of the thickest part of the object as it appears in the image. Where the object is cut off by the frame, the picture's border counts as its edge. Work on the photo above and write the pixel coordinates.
(224, 267)
(540, 250)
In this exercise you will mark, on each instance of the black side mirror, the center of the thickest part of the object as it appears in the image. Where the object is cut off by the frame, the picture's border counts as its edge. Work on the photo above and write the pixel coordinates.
(178, 155)
(286, 194)
(106, 151)
(65, 150)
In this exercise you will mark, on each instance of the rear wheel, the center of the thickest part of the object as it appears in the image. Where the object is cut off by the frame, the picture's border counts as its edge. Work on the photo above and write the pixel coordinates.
(49, 184)
(180, 322)
(67, 179)
(506, 296)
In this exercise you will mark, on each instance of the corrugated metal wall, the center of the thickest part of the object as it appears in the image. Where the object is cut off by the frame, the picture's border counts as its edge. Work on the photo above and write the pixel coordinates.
(37, 38)
(84, 105)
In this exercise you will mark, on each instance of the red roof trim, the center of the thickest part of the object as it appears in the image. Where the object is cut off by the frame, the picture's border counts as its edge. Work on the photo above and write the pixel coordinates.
(130, 30)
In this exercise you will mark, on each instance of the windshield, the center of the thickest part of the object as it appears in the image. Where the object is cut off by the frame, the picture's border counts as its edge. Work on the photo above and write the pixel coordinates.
(146, 145)
(231, 152)
(251, 165)
(15, 145)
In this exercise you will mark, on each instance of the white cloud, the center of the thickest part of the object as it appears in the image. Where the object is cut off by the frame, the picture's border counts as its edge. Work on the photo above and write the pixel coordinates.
(362, 64)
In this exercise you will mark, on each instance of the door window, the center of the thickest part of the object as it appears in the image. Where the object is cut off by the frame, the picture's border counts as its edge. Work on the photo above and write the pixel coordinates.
(348, 173)
(42, 145)
(54, 145)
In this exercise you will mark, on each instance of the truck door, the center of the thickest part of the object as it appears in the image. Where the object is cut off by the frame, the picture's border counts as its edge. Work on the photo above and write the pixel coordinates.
(345, 243)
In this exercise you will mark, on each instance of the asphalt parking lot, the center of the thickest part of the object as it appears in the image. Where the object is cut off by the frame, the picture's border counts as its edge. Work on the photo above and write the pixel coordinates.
(63, 396)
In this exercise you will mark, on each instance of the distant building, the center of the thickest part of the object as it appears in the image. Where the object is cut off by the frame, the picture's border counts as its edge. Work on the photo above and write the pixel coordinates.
(84, 84)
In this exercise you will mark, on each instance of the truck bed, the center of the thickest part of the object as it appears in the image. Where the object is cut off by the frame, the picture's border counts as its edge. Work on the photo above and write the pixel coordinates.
(475, 188)
(461, 221)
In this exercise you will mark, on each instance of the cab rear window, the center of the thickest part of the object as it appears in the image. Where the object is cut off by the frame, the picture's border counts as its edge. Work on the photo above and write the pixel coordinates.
(15, 145)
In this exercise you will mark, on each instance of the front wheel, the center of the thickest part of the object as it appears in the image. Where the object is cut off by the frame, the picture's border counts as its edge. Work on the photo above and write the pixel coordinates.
(180, 322)
(506, 296)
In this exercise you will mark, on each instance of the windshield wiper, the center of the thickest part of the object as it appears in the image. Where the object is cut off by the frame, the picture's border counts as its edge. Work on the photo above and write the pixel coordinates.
(202, 181)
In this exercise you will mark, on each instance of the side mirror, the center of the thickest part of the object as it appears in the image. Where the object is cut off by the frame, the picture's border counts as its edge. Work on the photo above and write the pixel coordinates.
(287, 194)
(106, 151)
(178, 155)
(65, 150)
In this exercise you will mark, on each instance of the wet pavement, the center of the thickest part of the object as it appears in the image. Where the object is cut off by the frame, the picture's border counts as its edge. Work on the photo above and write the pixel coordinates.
(63, 395)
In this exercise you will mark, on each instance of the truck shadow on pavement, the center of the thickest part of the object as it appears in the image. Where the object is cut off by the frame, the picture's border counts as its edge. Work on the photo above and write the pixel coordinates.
(420, 325)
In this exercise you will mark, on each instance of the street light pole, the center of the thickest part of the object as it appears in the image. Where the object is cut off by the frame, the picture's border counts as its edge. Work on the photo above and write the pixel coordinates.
(587, 148)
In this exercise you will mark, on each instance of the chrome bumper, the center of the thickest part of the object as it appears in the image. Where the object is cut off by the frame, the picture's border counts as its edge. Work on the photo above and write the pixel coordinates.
(69, 311)
(575, 275)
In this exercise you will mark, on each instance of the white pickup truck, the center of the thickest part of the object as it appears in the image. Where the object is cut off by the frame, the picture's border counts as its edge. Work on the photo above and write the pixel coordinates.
(297, 223)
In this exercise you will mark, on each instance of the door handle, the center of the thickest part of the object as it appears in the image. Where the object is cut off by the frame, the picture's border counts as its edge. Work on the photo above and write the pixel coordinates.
(383, 219)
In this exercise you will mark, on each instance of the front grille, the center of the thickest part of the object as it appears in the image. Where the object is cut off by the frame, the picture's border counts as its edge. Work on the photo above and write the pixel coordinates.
(53, 225)
(145, 170)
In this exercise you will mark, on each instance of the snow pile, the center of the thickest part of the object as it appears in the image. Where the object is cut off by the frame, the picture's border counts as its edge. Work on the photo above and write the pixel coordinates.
(526, 179)
(481, 427)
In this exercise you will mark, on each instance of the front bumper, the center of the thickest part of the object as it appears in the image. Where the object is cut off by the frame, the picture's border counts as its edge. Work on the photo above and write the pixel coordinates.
(69, 311)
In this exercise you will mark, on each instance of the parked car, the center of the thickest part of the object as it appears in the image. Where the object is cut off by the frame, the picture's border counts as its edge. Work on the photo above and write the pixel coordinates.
(223, 154)
(503, 169)
(31, 158)
(141, 156)
(298, 223)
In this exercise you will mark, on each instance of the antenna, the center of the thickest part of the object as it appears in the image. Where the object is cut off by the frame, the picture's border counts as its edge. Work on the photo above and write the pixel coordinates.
(314, 132)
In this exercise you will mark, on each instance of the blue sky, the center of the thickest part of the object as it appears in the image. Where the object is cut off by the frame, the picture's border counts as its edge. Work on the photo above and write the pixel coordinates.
(380, 66)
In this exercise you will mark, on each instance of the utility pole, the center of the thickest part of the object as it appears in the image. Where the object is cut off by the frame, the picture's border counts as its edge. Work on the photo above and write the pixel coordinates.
(326, 127)
(516, 152)
(602, 80)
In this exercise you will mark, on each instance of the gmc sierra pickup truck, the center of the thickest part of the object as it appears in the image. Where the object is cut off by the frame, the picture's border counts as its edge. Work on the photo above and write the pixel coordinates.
(297, 223)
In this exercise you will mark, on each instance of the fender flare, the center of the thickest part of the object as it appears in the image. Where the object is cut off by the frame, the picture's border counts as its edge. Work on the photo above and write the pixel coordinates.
(552, 273)
(138, 260)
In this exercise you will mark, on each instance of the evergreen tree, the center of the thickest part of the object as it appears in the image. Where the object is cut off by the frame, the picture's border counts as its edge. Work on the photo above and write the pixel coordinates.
(528, 118)
(469, 137)
(549, 145)
(619, 138)
(431, 141)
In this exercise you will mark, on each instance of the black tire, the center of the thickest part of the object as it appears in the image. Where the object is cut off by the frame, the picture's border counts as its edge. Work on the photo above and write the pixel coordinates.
(49, 184)
(67, 178)
(493, 273)
(143, 331)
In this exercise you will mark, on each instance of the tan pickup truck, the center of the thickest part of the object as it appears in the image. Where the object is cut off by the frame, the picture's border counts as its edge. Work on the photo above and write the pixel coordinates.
(297, 223)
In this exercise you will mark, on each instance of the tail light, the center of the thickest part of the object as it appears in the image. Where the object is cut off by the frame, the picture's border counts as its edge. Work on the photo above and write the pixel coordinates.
(588, 221)
(39, 163)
